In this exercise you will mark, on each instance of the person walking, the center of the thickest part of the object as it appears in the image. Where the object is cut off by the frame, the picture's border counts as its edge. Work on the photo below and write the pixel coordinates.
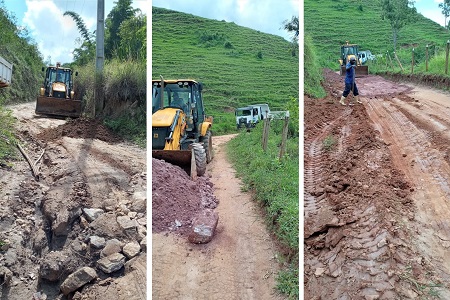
(350, 84)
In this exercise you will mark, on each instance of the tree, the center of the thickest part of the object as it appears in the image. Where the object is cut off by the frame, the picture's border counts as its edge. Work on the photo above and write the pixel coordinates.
(292, 26)
(86, 52)
(398, 13)
(133, 38)
(120, 13)
(445, 10)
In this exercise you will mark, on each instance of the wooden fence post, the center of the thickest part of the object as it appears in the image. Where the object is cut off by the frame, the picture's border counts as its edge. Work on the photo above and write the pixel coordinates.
(265, 137)
(398, 60)
(446, 57)
(284, 137)
(426, 59)
(390, 60)
(412, 62)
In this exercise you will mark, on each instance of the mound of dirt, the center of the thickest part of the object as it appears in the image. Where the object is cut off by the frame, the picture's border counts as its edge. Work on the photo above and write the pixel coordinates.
(176, 199)
(81, 128)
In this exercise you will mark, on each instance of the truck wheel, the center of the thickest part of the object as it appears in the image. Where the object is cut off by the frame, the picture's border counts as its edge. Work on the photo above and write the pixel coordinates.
(207, 145)
(200, 158)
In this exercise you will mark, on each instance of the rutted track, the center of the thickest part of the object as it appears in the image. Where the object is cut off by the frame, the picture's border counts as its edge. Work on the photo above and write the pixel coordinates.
(49, 234)
(374, 185)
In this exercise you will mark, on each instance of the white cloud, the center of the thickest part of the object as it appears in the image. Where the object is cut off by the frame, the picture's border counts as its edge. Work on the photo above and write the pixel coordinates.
(55, 34)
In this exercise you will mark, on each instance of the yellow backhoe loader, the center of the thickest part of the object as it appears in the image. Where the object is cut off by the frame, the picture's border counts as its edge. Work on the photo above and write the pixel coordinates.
(181, 132)
(57, 95)
(348, 51)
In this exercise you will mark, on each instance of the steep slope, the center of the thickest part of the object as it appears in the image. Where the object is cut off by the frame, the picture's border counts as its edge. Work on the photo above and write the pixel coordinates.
(238, 65)
(331, 23)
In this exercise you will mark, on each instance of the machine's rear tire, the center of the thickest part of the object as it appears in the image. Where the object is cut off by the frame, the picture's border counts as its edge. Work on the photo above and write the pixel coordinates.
(207, 145)
(200, 158)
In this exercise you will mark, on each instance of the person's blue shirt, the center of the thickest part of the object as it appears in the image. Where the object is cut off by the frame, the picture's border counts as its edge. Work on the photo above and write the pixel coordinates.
(349, 73)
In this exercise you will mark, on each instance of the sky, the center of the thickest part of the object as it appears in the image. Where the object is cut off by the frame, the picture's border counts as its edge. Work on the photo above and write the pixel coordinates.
(56, 35)
(264, 15)
(430, 9)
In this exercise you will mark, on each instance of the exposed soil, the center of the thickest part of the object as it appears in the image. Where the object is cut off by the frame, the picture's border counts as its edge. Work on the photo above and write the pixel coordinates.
(176, 199)
(239, 263)
(376, 187)
(47, 233)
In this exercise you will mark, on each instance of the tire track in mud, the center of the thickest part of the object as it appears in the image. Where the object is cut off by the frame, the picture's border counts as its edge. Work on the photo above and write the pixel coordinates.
(316, 208)
(413, 151)
(355, 256)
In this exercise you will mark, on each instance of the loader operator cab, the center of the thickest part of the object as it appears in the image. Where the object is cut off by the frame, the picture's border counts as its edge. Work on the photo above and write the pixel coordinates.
(183, 94)
(58, 82)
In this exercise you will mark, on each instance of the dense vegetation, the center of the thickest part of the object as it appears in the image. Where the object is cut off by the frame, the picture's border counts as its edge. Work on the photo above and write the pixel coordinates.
(238, 65)
(18, 48)
(241, 66)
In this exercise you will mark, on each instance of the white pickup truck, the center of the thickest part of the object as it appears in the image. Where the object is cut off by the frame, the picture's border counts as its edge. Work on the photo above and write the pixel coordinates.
(5, 73)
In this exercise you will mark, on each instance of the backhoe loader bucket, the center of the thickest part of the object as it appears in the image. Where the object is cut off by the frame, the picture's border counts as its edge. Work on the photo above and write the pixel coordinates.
(182, 158)
(360, 71)
(58, 106)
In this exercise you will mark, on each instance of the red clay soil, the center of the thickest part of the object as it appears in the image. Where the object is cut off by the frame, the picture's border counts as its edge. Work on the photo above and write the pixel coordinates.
(81, 128)
(356, 203)
(176, 199)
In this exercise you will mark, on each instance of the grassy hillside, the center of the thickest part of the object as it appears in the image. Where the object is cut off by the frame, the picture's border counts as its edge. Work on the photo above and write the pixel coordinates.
(17, 47)
(238, 65)
(332, 22)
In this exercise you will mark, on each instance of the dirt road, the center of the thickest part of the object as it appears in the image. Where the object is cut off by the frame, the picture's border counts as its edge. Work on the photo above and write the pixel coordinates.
(376, 202)
(90, 194)
(239, 263)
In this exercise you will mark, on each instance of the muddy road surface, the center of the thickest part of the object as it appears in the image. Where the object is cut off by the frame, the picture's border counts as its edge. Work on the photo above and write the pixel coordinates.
(77, 230)
(239, 263)
(377, 190)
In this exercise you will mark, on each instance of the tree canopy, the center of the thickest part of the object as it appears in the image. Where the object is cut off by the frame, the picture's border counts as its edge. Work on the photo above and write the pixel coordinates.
(445, 6)
(399, 13)
(121, 12)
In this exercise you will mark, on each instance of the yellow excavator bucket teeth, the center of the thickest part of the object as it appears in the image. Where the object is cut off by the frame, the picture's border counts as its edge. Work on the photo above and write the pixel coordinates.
(58, 107)
(182, 158)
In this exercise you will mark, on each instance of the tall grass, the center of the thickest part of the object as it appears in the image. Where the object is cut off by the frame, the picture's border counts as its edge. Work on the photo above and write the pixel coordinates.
(313, 71)
(8, 150)
(276, 184)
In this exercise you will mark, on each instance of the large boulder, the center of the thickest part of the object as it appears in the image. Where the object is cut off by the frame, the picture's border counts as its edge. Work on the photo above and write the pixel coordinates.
(77, 279)
(203, 226)
(111, 247)
(111, 263)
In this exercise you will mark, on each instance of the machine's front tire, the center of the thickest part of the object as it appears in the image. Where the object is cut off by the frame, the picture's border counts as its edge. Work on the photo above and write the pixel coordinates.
(207, 145)
(200, 158)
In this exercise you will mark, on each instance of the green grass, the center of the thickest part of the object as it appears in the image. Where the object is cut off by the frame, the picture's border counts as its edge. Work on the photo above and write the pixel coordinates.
(275, 183)
(328, 143)
(8, 150)
(313, 71)
(130, 126)
(238, 65)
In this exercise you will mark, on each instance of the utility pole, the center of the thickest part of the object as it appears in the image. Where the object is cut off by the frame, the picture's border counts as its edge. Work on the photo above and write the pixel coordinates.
(99, 100)
(100, 36)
